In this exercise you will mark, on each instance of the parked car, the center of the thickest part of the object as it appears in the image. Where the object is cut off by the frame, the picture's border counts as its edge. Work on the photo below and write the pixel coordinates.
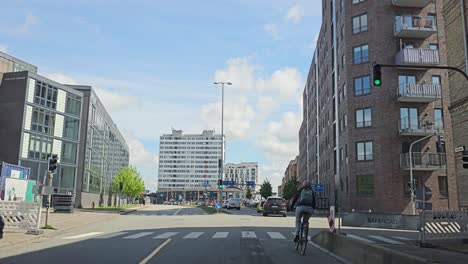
(225, 203)
(274, 205)
(260, 207)
(233, 203)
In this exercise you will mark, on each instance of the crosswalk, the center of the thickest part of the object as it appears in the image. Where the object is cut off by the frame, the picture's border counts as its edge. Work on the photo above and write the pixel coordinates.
(246, 234)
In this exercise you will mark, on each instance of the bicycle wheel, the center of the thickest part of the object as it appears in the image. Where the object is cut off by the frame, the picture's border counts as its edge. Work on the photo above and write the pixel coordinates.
(298, 243)
(304, 236)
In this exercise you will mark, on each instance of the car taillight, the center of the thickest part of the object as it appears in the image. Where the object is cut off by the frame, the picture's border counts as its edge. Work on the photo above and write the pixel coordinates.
(267, 204)
(281, 204)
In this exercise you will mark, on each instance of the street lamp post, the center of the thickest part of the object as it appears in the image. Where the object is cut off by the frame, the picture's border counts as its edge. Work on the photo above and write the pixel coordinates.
(221, 162)
(413, 202)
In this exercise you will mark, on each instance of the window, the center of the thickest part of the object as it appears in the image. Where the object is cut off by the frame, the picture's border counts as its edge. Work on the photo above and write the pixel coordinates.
(39, 147)
(69, 153)
(365, 184)
(344, 90)
(73, 105)
(363, 118)
(364, 151)
(409, 118)
(361, 54)
(71, 128)
(438, 119)
(434, 46)
(443, 186)
(45, 95)
(405, 83)
(43, 121)
(359, 23)
(436, 80)
(343, 60)
(362, 85)
(358, 1)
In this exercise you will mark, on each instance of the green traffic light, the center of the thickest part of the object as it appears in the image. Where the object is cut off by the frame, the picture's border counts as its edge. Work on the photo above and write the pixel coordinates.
(377, 82)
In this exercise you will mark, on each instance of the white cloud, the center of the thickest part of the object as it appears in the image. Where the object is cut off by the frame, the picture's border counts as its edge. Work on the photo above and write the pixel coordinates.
(239, 71)
(273, 30)
(295, 13)
(3, 48)
(283, 82)
(61, 78)
(266, 104)
(28, 23)
(139, 155)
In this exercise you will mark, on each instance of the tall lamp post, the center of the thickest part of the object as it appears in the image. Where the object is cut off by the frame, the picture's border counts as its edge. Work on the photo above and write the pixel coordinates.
(221, 161)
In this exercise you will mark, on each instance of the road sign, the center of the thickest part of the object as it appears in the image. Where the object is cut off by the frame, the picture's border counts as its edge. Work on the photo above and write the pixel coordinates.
(229, 183)
(459, 149)
(218, 205)
(250, 183)
(420, 205)
(420, 195)
(317, 187)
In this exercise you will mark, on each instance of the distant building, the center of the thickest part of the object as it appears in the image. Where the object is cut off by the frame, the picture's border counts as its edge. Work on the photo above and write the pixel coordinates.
(243, 174)
(291, 172)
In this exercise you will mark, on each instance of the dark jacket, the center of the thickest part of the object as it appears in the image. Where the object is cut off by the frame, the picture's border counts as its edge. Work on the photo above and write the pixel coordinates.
(298, 194)
(2, 224)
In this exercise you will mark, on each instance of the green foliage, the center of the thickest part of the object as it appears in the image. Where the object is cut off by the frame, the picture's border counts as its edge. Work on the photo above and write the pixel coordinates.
(133, 185)
(248, 194)
(290, 188)
(265, 189)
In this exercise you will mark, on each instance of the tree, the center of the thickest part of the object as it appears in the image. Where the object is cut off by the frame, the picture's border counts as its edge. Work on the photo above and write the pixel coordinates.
(132, 184)
(265, 189)
(290, 188)
(248, 194)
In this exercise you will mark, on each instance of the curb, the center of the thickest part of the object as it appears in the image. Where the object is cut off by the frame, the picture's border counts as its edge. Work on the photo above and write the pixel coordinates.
(129, 211)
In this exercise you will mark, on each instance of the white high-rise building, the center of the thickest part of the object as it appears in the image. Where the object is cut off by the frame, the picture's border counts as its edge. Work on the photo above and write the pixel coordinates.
(243, 174)
(189, 162)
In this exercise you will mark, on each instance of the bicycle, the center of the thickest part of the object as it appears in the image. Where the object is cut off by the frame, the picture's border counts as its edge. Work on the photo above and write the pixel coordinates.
(303, 236)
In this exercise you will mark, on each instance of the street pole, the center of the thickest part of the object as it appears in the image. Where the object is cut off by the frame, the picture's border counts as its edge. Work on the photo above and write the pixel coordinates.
(49, 199)
(413, 202)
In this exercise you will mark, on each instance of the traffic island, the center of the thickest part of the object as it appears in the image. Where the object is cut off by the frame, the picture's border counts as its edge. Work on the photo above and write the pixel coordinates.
(362, 252)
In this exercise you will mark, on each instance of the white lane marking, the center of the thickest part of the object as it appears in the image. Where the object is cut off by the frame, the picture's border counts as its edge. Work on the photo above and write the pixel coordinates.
(194, 235)
(111, 235)
(138, 235)
(402, 238)
(84, 235)
(384, 239)
(276, 235)
(360, 238)
(248, 234)
(166, 235)
(176, 212)
(220, 235)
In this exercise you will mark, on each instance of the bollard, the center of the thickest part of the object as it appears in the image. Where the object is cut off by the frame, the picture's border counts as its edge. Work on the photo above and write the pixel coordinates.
(93, 205)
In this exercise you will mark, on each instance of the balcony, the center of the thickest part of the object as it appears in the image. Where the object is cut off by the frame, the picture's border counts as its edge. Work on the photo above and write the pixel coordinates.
(411, 126)
(414, 27)
(423, 161)
(411, 3)
(422, 57)
(419, 92)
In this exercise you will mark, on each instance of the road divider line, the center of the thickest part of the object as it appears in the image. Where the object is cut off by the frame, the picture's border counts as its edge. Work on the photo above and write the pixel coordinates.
(84, 235)
(150, 256)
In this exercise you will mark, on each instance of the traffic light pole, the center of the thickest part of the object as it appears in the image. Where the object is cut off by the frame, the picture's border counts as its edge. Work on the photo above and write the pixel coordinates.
(50, 175)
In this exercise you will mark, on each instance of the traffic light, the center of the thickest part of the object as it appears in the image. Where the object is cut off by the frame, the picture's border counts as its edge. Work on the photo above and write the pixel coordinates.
(377, 75)
(53, 160)
(465, 159)
(220, 184)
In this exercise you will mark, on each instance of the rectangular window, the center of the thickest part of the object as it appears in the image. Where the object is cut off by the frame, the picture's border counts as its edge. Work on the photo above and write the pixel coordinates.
(405, 83)
(43, 121)
(363, 117)
(359, 23)
(434, 46)
(438, 119)
(71, 128)
(45, 95)
(362, 85)
(39, 147)
(365, 184)
(358, 1)
(443, 186)
(343, 60)
(73, 105)
(364, 151)
(69, 153)
(409, 118)
(361, 54)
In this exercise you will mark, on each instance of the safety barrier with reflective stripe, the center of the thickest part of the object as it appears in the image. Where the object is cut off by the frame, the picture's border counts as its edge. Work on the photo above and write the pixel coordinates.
(20, 216)
(439, 225)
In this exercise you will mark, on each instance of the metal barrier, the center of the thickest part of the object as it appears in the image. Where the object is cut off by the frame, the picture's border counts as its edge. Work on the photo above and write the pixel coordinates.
(20, 216)
(438, 225)
(63, 203)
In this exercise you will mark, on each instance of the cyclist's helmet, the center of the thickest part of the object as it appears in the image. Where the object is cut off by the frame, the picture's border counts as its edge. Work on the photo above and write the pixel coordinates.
(306, 183)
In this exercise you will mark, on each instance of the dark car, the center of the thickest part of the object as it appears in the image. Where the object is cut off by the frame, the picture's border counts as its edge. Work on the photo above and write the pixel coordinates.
(274, 205)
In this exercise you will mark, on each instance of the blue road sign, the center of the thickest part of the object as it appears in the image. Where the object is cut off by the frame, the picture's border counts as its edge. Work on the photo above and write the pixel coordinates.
(420, 205)
(317, 187)
(218, 205)
(250, 183)
(229, 183)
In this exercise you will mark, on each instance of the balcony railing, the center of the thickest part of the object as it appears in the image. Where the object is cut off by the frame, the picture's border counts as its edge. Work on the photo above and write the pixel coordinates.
(414, 27)
(423, 161)
(411, 3)
(410, 56)
(411, 126)
(419, 92)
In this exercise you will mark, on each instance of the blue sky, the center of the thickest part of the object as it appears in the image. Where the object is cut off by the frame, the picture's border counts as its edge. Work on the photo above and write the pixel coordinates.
(153, 64)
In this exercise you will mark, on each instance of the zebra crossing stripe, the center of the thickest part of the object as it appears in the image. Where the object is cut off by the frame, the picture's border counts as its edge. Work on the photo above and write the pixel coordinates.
(221, 235)
(276, 235)
(248, 234)
(138, 235)
(387, 240)
(166, 235)
(360, 238)
(111, 235)
(84, 235)
(193, 235)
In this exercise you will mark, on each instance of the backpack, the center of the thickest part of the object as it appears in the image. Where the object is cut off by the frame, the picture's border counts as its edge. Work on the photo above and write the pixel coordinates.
(307, 197)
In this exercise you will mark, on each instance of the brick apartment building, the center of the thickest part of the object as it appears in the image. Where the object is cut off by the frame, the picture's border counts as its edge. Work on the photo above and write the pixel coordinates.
(455, 14)
(357, 135)
(290, 173)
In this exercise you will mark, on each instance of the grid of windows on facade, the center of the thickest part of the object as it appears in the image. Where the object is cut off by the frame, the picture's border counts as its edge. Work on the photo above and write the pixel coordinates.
(43, 121)
(45, 95)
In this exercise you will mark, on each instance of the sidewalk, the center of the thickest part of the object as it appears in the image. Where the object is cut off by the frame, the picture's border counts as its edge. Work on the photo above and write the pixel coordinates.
(61, 222)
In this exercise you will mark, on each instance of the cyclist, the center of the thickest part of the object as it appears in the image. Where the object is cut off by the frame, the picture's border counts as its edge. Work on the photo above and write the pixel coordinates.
(305, 199)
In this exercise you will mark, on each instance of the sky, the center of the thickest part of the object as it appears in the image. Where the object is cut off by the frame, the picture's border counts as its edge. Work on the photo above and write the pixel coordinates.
(153, 64)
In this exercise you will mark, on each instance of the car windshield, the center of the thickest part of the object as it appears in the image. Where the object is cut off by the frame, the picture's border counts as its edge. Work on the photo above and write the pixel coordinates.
(275, 200)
